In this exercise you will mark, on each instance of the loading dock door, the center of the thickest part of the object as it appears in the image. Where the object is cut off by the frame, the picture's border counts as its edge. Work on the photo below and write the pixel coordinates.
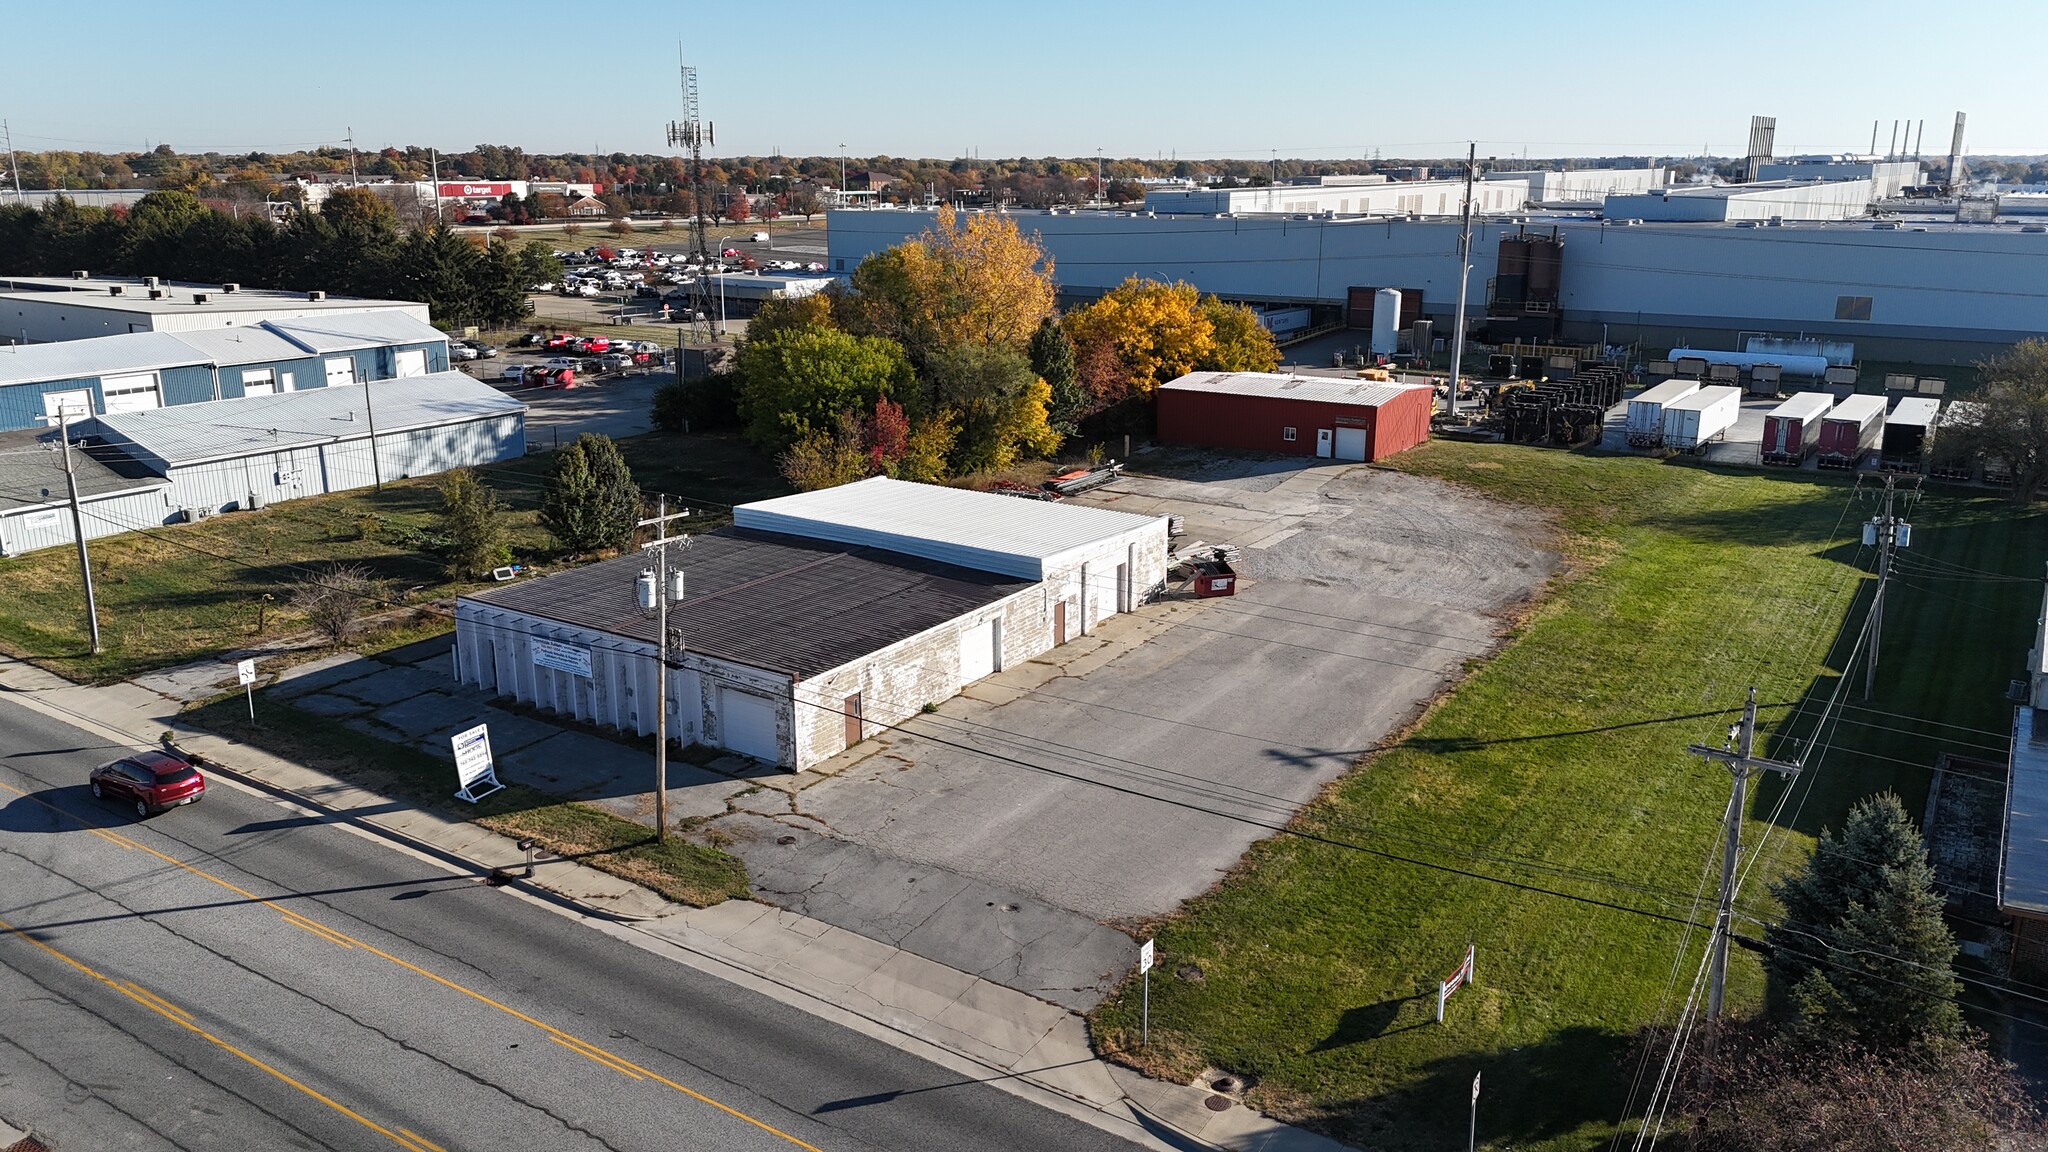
(412, 363)
(136, 393)
(341, 370)
(1350, 443)
(748, 722)
(978, 651)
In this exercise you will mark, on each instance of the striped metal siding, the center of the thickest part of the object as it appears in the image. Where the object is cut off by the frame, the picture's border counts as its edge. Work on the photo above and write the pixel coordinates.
(191, 385)
(306, 373)
(287, 474)
(29, 530)
(387, 358)
(21, 404)
(433, 450)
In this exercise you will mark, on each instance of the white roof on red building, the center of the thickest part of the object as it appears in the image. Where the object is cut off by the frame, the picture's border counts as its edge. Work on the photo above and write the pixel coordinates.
(1287, 386)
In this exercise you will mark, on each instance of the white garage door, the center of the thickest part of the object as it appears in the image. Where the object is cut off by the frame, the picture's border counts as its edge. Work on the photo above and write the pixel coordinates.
(978, 651)
(413, 363)
(341, 370)
(1350, 443)
(77, 401)
(130, 393)
(748, 722)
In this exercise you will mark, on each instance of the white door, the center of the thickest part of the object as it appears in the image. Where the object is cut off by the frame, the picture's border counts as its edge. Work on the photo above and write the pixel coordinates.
(1323, 443)
(259, 382)
(979, 655)
(1350, 443)
(748, 722)
(77, 401)
(341, 370)
(136, 393)
(413, 363)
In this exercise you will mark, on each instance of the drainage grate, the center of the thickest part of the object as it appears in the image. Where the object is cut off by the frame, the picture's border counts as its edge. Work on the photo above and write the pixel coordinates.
(1218, 1103)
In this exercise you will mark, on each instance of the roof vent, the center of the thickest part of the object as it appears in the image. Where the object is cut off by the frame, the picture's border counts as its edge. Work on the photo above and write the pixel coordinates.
(199, 297)
(156, 293)
(231, 287)
(113, 289)
(151, 282)
(316, 295)
(81, 274)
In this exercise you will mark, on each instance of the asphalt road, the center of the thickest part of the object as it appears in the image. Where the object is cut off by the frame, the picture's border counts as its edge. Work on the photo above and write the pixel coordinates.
(234, 975)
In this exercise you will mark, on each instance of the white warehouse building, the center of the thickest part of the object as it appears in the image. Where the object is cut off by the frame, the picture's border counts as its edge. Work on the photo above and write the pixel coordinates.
(817, 619)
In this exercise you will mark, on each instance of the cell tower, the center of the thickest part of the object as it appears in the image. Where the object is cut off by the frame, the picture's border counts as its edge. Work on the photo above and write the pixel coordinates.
(693, 133)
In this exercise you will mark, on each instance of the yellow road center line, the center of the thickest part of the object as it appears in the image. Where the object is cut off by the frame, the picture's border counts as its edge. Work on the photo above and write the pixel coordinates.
(109, 837)
(183, 1020)
(156, 1001)
(479, 997)
(595, 1058)
(326, 934)
(422, 1141)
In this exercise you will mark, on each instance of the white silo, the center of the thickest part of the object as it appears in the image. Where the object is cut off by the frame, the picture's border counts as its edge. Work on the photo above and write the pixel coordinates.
(1386, 321)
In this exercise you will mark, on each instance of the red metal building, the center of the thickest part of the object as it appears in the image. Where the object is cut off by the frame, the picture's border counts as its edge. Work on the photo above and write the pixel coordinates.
(1340, 418)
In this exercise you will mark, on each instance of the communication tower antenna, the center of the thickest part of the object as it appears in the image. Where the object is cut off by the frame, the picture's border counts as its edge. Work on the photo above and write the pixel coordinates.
(693, 133)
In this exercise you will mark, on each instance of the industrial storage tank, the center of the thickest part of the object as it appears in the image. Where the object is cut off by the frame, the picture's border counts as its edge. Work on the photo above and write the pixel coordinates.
(1386, 321)
(1850, 431)
(1813, 367)
(1792, 429)
(1692, 422)
(1646, 411)
(1908, 433)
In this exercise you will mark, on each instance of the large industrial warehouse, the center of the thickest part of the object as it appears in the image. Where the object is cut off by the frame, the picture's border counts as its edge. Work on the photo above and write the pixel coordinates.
(44, 309)
(817, 618)
(1297, 415)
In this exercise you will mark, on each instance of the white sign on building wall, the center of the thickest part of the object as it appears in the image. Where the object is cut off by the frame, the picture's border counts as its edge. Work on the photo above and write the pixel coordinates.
(561, 657)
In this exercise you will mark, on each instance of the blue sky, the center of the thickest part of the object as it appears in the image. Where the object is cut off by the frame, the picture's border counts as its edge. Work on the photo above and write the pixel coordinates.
(1193, 79)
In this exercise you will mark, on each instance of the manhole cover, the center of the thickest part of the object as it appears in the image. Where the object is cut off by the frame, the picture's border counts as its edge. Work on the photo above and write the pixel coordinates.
(1217, 1103)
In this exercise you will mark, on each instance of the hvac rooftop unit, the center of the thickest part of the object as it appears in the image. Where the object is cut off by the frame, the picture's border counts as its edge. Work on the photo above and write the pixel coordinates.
(316, 295)
(199, 297)
(113, 289)
(156, 293)
(231, 287)
(80, 274)
(151, 282)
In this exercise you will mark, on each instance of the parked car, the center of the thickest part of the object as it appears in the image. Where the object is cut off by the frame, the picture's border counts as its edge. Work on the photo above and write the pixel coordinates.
(482, 349)
(760, 238)
(586, 289)
(457, 350)
(730, 252)
(530, 340)
(513, 373)
(561, 340)
(594, 345)
(559, 364)
(815, 266)
(618, 361)
(152, 781)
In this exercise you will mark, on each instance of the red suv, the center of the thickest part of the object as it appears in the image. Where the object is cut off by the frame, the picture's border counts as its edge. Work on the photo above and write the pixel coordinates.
(560, 340)
(155, 781)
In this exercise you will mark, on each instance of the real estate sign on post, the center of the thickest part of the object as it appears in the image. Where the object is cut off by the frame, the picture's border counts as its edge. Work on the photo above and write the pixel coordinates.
(473, 767)
(1453, 982)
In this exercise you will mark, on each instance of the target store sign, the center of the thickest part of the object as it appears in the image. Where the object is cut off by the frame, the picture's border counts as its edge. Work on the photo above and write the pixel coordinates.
(475, 190)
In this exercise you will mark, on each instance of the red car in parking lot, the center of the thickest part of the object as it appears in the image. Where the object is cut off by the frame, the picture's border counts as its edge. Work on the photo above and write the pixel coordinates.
(152, 781)
(593, 345)
(561, 340)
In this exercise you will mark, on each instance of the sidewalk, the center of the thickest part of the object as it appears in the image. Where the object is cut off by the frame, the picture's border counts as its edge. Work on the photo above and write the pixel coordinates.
(815, 964)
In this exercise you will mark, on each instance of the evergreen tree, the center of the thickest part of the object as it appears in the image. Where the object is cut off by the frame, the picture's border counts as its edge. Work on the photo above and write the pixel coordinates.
(1052, 357)
(1862, 953)
(590, 501)
(473, 521)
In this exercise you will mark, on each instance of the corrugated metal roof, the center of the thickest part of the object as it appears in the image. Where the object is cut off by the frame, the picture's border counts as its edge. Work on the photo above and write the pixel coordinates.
(242, 344)
(32, 471)
(2023, 865)
(1318, 389)
(99, 356)
(781, 603)
(979, 530)
(218, 429)
(352, 330)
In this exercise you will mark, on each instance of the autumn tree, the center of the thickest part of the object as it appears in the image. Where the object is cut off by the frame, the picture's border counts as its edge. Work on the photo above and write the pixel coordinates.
(784, 313)
(1862, 954)
(589, 501)
(803, 202)
(333, 599)
(1052, 357)
(974, 282)
(995, 402)
(1158, 331)
(737, 209)
(473, 524)
(621, 227)
(2006, 422)
(799, 380)
(1238, 342)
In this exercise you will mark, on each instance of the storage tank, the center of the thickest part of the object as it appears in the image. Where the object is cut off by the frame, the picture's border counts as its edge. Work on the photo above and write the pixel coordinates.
(1692, 422)
(1813, 367)
(1850, 431)
(1908, 432)
(1646, 411)
(1386, 321)
(1792, 429)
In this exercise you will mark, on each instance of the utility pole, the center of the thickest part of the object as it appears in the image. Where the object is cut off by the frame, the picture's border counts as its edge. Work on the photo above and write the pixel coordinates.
(436, 154)
(12, 166)
(1464, 277)
(92, 610)
(1887, 531)
(842, 173)
(1741, 762)
(353, 179)
(657, 598)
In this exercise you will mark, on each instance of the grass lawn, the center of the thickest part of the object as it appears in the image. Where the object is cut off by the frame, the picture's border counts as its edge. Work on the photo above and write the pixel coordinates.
(677, 868)
(1560, 764)
(185, 591)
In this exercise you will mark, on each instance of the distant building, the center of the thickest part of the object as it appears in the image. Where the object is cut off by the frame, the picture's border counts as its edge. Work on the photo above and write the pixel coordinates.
(45, 309)
(1333, 417)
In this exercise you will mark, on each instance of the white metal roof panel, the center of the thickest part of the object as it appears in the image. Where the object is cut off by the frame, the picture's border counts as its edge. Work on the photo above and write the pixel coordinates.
(242, 344)
(1914, 410)
(1857, 409)
(352, 330)
(1804, 406)
(223, 429)
(98, 356)
(1704, 398)
(1668, 391)
(1285, 386)
(978, 530)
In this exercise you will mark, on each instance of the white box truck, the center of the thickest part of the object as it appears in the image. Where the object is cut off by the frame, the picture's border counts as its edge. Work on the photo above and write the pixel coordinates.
(1693, 421)
(1646, 411)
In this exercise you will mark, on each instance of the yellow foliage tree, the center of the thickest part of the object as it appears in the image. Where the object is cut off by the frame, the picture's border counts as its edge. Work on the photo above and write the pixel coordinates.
(1159, 331)
(976, 281)
(1238, 342)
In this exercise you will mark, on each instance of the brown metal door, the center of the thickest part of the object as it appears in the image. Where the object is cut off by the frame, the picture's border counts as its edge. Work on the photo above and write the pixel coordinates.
(853, 720)
(1059, 622)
